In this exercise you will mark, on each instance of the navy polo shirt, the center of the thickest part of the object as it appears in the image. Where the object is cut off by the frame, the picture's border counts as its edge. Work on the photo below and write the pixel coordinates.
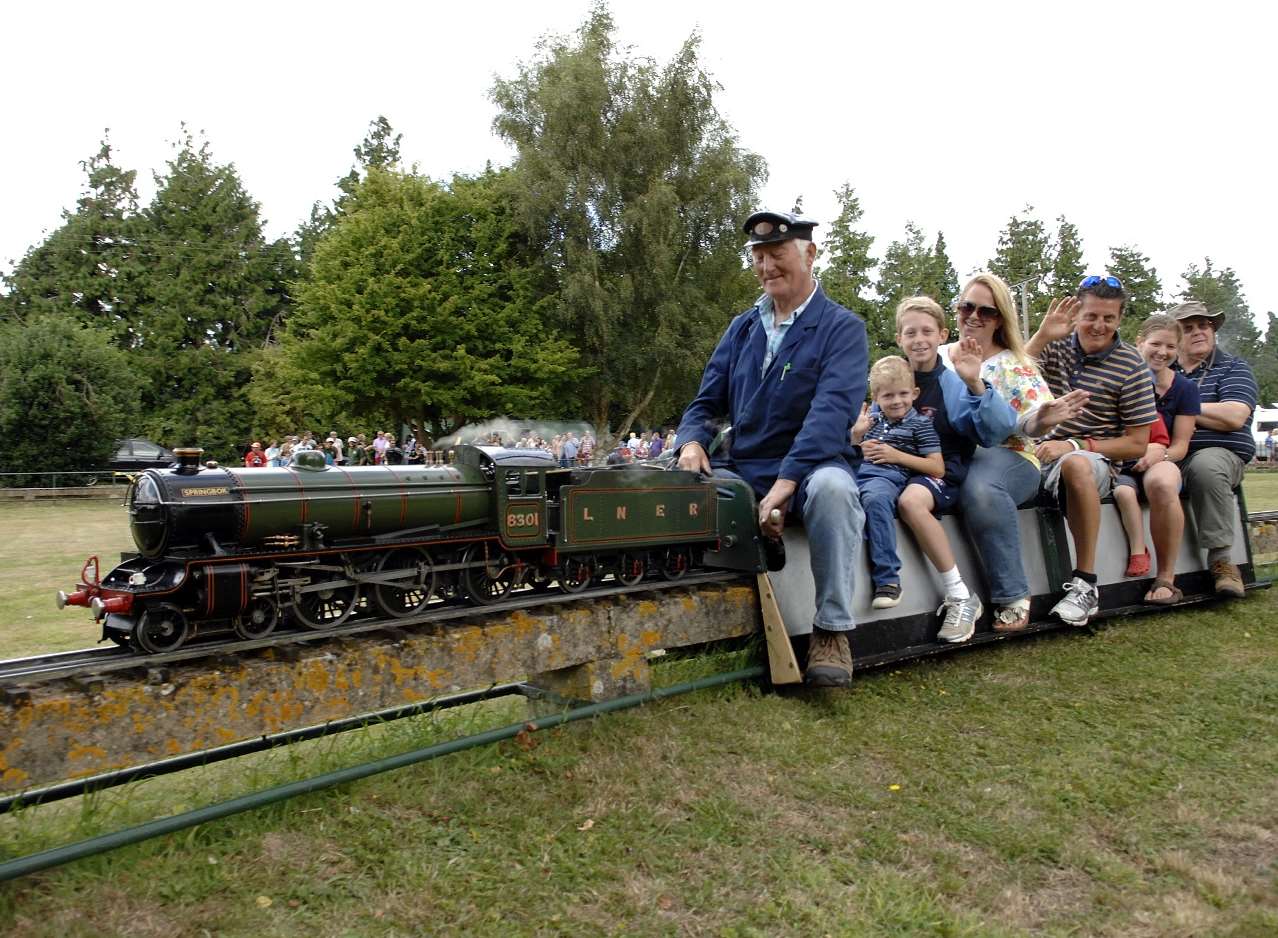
(1181, 399)
(1224, 377)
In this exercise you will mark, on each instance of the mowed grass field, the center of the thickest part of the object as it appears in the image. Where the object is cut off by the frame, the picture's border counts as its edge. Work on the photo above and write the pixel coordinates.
(1117, 784)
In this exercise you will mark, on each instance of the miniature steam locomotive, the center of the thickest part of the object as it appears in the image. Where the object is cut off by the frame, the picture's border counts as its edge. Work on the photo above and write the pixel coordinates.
(244, 549)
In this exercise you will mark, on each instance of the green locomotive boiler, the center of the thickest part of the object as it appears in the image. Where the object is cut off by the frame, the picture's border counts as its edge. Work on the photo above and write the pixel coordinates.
(244, 549)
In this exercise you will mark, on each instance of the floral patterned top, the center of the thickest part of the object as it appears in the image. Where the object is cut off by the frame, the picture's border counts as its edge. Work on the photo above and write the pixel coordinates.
(1021, 386)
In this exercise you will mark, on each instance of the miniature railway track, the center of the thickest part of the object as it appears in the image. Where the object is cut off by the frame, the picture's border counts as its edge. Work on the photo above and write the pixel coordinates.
(92, 662)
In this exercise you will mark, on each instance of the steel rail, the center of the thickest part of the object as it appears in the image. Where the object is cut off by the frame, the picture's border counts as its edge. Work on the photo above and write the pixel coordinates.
(32, 863)
(113, 660)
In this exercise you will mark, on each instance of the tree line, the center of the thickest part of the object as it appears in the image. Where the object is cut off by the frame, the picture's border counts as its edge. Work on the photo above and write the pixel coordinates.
(588, 279)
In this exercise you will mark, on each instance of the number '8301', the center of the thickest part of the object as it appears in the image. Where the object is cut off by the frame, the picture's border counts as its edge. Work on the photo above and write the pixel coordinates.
(523, 519)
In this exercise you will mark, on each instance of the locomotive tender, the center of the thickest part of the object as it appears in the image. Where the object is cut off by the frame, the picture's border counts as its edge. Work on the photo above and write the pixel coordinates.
(246, 548)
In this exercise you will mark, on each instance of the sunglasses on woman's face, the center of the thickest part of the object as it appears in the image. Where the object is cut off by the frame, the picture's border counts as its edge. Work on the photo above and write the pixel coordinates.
(987, 313)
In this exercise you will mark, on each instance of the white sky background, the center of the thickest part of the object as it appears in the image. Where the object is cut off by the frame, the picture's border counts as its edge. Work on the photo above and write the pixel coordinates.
(1145, 123)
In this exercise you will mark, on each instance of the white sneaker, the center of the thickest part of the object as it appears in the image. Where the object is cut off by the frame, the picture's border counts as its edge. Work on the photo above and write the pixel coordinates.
(960, 618)
(1080, 603)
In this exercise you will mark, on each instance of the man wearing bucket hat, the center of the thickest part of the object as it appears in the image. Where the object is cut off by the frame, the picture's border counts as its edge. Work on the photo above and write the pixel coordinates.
(789, 376)
(1222, 443)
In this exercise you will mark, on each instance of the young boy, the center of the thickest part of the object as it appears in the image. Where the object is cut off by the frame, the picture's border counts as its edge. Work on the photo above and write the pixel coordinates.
(897, 443)
(965, 411)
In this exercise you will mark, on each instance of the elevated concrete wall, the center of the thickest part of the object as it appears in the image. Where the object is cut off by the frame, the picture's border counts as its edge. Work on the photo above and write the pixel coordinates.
(63, 731)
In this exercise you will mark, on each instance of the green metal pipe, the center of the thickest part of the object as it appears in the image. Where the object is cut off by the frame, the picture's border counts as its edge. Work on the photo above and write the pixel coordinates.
(35, 862)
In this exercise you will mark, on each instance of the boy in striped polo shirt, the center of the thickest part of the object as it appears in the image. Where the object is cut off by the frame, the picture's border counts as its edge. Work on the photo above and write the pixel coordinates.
(1078, 348)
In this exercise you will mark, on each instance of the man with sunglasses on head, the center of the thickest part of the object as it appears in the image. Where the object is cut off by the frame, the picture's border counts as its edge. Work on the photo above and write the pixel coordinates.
(1222, 443)
(1078, 348)
(789, 376)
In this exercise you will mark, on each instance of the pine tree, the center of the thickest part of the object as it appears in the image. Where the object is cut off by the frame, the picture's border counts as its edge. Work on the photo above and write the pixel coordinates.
(1140, 281)
(214, 288)
(1024, 260)
(88, 267)
(944, 284)
(845, 263)
(1222, 292)
(1068, 269)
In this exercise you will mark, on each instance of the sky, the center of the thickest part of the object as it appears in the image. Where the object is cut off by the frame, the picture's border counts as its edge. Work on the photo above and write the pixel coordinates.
(1143, 123)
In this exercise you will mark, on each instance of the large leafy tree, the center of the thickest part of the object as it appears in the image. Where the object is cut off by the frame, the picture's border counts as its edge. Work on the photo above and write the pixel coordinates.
(213, 290)
(1222, 291)
(88, 267)
(66, 393)
(1140, 281)
(633, 185)
(425, 302)
(378, 150)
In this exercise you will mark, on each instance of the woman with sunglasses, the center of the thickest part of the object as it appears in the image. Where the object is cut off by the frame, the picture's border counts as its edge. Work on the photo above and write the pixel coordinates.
(1003, 477)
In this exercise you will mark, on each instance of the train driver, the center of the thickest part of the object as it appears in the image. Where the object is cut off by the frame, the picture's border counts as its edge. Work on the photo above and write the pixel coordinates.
(1078, 348)
(789, 376)
(1222, 443)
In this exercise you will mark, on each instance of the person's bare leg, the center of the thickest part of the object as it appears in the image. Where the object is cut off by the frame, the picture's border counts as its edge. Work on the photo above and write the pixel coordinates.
(1166, 517)
(1128, 506)
(1082, 510)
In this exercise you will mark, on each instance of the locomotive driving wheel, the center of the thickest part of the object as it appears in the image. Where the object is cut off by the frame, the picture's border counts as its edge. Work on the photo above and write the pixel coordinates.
(407, 596)
(631, 568)
(676, 563)
(163, 627)
(326, 607)
(489, 573)
(258, 620)
(575, 573)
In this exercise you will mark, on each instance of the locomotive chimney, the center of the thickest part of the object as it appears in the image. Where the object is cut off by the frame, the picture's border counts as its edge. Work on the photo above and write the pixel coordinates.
(188, 458)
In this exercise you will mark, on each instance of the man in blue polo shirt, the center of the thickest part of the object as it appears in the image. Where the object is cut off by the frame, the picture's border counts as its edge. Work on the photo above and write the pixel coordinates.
(789, 376)
(1222, 443)
(1078, 348)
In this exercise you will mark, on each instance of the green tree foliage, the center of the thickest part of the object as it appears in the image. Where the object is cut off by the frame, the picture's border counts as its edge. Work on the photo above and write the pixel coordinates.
(1265, 364)
(426, 303)
(1222, 292)
(1068, 269)
(88, 267)
(1024, 259)
(633, 185)
(845, 264)
(1140, 280)
(909, 268)
(944, 278)
(66, 394)
(378, 150)
(214, 288)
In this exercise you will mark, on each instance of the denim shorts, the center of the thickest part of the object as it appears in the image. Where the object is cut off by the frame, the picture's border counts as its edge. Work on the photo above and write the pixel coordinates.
(1103, 472)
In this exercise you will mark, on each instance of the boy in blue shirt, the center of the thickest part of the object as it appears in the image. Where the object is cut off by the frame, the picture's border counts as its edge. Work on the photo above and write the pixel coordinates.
(897, 443)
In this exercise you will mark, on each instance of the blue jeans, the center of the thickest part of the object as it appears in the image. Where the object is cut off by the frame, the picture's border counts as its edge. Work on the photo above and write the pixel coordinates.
(997, 481)
(879, 492)
(830, 506)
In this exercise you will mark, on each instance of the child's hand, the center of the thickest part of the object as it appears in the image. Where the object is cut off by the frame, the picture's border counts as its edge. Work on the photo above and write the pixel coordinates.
(862, 425)
(880, 453)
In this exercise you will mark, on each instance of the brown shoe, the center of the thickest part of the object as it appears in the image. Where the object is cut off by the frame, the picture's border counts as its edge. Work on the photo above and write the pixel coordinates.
(1228, 579)
(829, 660)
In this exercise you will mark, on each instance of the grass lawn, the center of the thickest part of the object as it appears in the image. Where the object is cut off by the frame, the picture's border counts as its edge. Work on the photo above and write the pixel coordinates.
(1261, 491)
(1122, 784)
